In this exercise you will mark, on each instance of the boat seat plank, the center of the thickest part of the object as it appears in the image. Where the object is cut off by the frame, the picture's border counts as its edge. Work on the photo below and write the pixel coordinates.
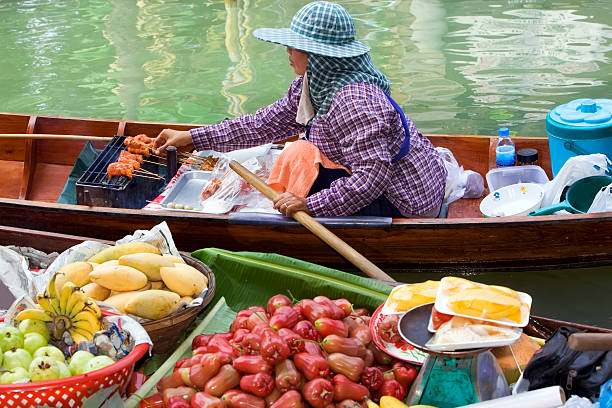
(10, 181)
(62, 152)
(465, 208)
(77, 126)
(49, 180)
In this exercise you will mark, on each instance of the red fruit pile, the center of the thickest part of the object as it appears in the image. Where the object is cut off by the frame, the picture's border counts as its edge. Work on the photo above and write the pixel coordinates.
(318, 353)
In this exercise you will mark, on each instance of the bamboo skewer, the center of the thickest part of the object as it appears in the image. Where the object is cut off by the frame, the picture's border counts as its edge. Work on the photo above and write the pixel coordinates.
(52, 136)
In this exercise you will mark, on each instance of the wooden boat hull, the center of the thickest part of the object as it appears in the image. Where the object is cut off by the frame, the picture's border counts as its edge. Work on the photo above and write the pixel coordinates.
(54, 242)
(33, 173)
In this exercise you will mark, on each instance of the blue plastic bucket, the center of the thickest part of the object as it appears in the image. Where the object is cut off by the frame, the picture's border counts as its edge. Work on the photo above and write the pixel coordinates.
(582, 126)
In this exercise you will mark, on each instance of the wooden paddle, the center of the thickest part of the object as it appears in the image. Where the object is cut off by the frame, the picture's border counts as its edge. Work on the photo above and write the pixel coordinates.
(316, 228)
(52, 136)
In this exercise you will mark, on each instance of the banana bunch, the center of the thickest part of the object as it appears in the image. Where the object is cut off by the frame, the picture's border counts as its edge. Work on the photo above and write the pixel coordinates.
(69, 310)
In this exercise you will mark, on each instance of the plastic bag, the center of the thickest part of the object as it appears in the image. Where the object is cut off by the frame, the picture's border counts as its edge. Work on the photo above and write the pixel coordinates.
(605, 395)
(575, 168)
(602, 201)
(577, 402)
(459, 182)
(228, 191)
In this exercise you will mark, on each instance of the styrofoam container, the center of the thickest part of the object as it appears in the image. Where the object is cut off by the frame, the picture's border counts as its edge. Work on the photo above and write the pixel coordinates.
(505, 176)
(484, 343)
(442, 306)
(513, 200)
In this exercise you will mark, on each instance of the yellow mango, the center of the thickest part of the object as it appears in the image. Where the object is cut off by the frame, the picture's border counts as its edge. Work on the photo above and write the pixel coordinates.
(386, 401)
(119, 277)
(485, 303)
(173, 258)
(75, 272)
(95, 291)
(147, 263)
(119, 300)
(152, 304)
(184, 279)
(117, 251)
(407, 297)
(157, 285)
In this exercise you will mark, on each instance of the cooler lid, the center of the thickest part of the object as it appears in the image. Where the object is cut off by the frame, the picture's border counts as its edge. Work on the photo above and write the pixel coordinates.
(581, 119)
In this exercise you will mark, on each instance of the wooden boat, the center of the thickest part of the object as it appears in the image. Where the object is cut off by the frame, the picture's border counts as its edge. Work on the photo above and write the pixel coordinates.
(34, 172)
(54, 242)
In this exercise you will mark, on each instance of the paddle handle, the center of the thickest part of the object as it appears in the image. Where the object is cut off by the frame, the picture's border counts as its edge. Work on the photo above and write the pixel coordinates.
(590, 341)
(52, 136)
(315, 227)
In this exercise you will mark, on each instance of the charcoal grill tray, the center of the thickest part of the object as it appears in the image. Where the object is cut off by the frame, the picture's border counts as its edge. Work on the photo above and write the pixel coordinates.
(95, 188)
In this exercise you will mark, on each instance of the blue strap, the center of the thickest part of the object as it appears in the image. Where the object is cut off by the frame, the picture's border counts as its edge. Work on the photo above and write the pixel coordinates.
(406, 143)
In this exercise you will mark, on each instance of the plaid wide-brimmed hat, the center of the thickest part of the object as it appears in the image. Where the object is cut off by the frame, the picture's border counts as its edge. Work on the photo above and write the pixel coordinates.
(321, 28)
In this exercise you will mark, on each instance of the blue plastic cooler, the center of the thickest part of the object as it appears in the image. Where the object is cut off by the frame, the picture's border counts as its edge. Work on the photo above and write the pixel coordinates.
(582, 126)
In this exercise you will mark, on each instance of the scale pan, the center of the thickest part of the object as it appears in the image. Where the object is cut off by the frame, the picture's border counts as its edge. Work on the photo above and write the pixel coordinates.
(412, 326)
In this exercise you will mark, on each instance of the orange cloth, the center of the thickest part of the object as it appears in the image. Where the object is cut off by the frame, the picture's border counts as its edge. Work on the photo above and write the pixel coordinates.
(297, 168)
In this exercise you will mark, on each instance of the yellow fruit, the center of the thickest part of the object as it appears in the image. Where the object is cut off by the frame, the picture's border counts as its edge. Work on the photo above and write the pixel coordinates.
(157, 285)
(146, 263)
(387, 401)
(75, 272)
(120, 300)
(174, 259)
(120, 278)
(186, 299)
(117, 251)
(184, 279)
(152, 304)
(371, 404)
(95, 291)
(406, 297)
(485, 303)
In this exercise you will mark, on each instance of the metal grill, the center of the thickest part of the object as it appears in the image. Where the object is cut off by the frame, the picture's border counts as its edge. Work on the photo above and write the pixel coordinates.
(95, 188)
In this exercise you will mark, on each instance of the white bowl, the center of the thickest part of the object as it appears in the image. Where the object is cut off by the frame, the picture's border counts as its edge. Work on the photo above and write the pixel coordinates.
(513, 200)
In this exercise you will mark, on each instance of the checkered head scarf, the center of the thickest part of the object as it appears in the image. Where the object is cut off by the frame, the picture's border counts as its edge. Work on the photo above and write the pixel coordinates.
(326, 75)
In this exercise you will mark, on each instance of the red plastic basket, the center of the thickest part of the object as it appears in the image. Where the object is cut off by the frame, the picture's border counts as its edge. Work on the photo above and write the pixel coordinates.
(70, 392)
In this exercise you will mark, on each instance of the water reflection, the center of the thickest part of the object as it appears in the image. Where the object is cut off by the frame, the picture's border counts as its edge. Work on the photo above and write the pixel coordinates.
(460, 66)
(237, 30)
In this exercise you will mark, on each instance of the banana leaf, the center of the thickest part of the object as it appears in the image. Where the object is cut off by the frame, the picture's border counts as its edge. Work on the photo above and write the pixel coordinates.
(250, 278)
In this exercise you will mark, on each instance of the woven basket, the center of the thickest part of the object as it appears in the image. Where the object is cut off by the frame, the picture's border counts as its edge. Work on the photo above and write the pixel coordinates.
(165, 332)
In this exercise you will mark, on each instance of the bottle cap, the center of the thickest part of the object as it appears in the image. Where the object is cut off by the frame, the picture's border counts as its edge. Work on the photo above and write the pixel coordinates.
(504, 131)
(527, 155)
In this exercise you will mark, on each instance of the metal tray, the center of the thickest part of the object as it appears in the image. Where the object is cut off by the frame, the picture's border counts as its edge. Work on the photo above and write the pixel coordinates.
(187, 190)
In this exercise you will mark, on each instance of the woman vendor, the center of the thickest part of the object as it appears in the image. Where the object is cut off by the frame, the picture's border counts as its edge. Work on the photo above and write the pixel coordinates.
(381, 164)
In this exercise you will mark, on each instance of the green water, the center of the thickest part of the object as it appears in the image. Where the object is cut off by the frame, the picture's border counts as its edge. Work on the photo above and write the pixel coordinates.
(456, 66)
(460, 66)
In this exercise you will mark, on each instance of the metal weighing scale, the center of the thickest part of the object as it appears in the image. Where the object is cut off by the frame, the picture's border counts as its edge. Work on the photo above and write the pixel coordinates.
(451, 378)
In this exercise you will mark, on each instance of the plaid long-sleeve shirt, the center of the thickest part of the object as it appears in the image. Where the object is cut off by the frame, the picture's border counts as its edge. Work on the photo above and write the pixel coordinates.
(361, 131)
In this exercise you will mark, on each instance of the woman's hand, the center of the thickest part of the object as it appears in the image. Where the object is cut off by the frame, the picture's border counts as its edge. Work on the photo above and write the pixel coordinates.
(288, 204)
(170, 137)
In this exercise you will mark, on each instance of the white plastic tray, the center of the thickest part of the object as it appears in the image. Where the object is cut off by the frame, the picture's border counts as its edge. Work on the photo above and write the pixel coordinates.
(441, 306)
(475, 344)
(386, 310)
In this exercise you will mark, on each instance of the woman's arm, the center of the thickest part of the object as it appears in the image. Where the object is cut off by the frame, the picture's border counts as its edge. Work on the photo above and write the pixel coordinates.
(273, 123)
(360, 126)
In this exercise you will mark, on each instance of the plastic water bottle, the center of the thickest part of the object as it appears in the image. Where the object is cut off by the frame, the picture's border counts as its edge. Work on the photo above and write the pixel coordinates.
(504, 151)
